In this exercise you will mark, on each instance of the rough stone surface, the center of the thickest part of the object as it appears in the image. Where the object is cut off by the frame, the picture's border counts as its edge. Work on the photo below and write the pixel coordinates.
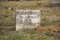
(28, 19)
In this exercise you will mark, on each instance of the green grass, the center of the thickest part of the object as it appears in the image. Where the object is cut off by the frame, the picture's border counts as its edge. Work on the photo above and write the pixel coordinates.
(49, 16)
(7, 16)
(10, 28)
(26, 35)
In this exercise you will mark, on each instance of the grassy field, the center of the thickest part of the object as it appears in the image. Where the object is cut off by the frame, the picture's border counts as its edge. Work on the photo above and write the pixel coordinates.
(49, 15)
(50, 21)
(26, 35)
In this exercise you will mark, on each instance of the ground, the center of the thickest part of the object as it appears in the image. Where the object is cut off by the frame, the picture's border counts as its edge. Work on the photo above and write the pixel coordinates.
(49, 28)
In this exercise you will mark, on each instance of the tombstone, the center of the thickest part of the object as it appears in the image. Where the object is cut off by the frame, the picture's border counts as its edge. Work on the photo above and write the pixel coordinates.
(27, 19)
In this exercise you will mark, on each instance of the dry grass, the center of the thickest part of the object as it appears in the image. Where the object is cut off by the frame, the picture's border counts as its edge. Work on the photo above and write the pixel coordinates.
(49, 15)
(49, 28)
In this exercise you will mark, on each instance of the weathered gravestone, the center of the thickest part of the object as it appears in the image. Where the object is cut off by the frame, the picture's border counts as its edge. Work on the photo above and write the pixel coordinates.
(27, 19)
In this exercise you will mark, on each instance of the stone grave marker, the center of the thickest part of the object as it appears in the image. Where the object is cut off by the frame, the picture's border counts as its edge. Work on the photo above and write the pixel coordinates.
(27, 19)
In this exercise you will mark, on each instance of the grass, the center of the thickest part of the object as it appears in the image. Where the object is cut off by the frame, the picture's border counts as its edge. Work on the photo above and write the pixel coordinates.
(7, 11)
(49, 16)
(10, 28)
(26, 35)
